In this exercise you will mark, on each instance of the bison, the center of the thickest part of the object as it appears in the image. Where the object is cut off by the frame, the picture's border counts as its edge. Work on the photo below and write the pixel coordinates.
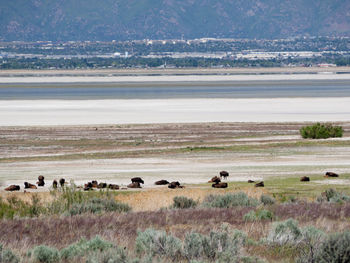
(219, 185)
(41, 181)
(100, 185)
(54, 184)
(62, 182)
(261, 184)
(113, 186)
(304, 179)
(215, 179)
(13, 188)
(137, 180)
(161, 182)
(29, 186)
(224, 174)
(88, 186)
(331, 174)
(174, 185)
(94, 184)
(251, 181)
(134, 185)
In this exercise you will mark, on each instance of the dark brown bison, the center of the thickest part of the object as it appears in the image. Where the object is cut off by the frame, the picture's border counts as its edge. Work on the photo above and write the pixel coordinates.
(94, 184)
(331, 174)
(40, 181)
(88, 186)
(161, 182)
(251, 181)
(101, 185)
(215, 179)
(113, 186)
(29, 186)
(261, 184)
(304, 179)
(174, 185)
(224, 174)
(13, 188)
(137, 180)
(62, 182)
(219, 185)
(54, 184)
(134, 185)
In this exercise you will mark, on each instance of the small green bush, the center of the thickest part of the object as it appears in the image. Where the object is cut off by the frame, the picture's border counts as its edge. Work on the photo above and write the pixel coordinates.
(115, 255)
(85, 247)
(157, 243)
(286, 232)
(230, 200)
(182, 202)
(321, 131)
(332, 196)
(258, 215)
(7, 256)
(310, 243)
(45, 254)
(267, 200)
(336, 248)
(97, 205)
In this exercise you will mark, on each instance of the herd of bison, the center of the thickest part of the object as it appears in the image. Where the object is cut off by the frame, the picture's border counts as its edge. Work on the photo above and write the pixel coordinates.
(137, 181)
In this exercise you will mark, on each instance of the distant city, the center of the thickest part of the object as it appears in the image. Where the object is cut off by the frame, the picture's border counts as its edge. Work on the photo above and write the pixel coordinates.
(176, 53)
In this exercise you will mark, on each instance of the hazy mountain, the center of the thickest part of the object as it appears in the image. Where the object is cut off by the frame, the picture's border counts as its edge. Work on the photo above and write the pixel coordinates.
(164, 19)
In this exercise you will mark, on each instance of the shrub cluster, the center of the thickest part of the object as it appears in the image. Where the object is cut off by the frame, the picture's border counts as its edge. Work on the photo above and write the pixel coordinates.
(6, 255)
(321, 131)
(98, 205)
(218, 246)
(258, 215)
(230, 200)
(182, 202)
(332, 196)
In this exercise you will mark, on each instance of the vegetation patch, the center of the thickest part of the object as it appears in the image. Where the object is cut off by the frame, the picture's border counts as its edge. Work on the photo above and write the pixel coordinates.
(321, 131)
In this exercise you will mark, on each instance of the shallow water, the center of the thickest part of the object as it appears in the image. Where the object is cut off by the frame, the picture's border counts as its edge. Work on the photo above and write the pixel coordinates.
(98, 91)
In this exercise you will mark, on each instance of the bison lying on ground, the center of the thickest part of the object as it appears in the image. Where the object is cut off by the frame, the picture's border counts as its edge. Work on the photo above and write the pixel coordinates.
(251, 181)
(304, 179)
(174, 185)
(88, 186)
(134, 185)
(224, 174)
(331, 174)
(219, 185)
(137, 180)
(161, 182)
(113, 186)
(101, 185)
(29, 186)
(215, 179)
(261, 184)
(40, 181)
(13, 188)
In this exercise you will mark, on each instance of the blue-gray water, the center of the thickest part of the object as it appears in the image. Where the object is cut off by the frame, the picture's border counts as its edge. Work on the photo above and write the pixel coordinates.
(271, 89)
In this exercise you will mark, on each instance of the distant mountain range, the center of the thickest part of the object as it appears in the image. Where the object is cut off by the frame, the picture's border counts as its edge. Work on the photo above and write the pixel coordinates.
(106, 20)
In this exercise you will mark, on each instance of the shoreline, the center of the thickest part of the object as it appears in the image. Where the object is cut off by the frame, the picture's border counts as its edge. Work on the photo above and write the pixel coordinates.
(162, 79)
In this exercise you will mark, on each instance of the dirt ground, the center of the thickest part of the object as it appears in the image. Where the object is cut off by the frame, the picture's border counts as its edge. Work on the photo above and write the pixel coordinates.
(189, 153)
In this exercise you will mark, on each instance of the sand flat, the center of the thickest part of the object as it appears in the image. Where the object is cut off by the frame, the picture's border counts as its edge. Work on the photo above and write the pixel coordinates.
(83, 112)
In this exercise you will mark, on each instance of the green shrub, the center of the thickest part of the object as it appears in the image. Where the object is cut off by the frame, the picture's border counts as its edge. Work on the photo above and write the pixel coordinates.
(321, 131)
(230, 200)
(267, 200)
(85, 247)
(336, 248)
(8, 256)
(182, 202)
(258, 215)
(220, 246)
(157, 243)
(97, 205)
(45, 254)
(332, 196)
(310, 243)
(115, 255)
(286, 232)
